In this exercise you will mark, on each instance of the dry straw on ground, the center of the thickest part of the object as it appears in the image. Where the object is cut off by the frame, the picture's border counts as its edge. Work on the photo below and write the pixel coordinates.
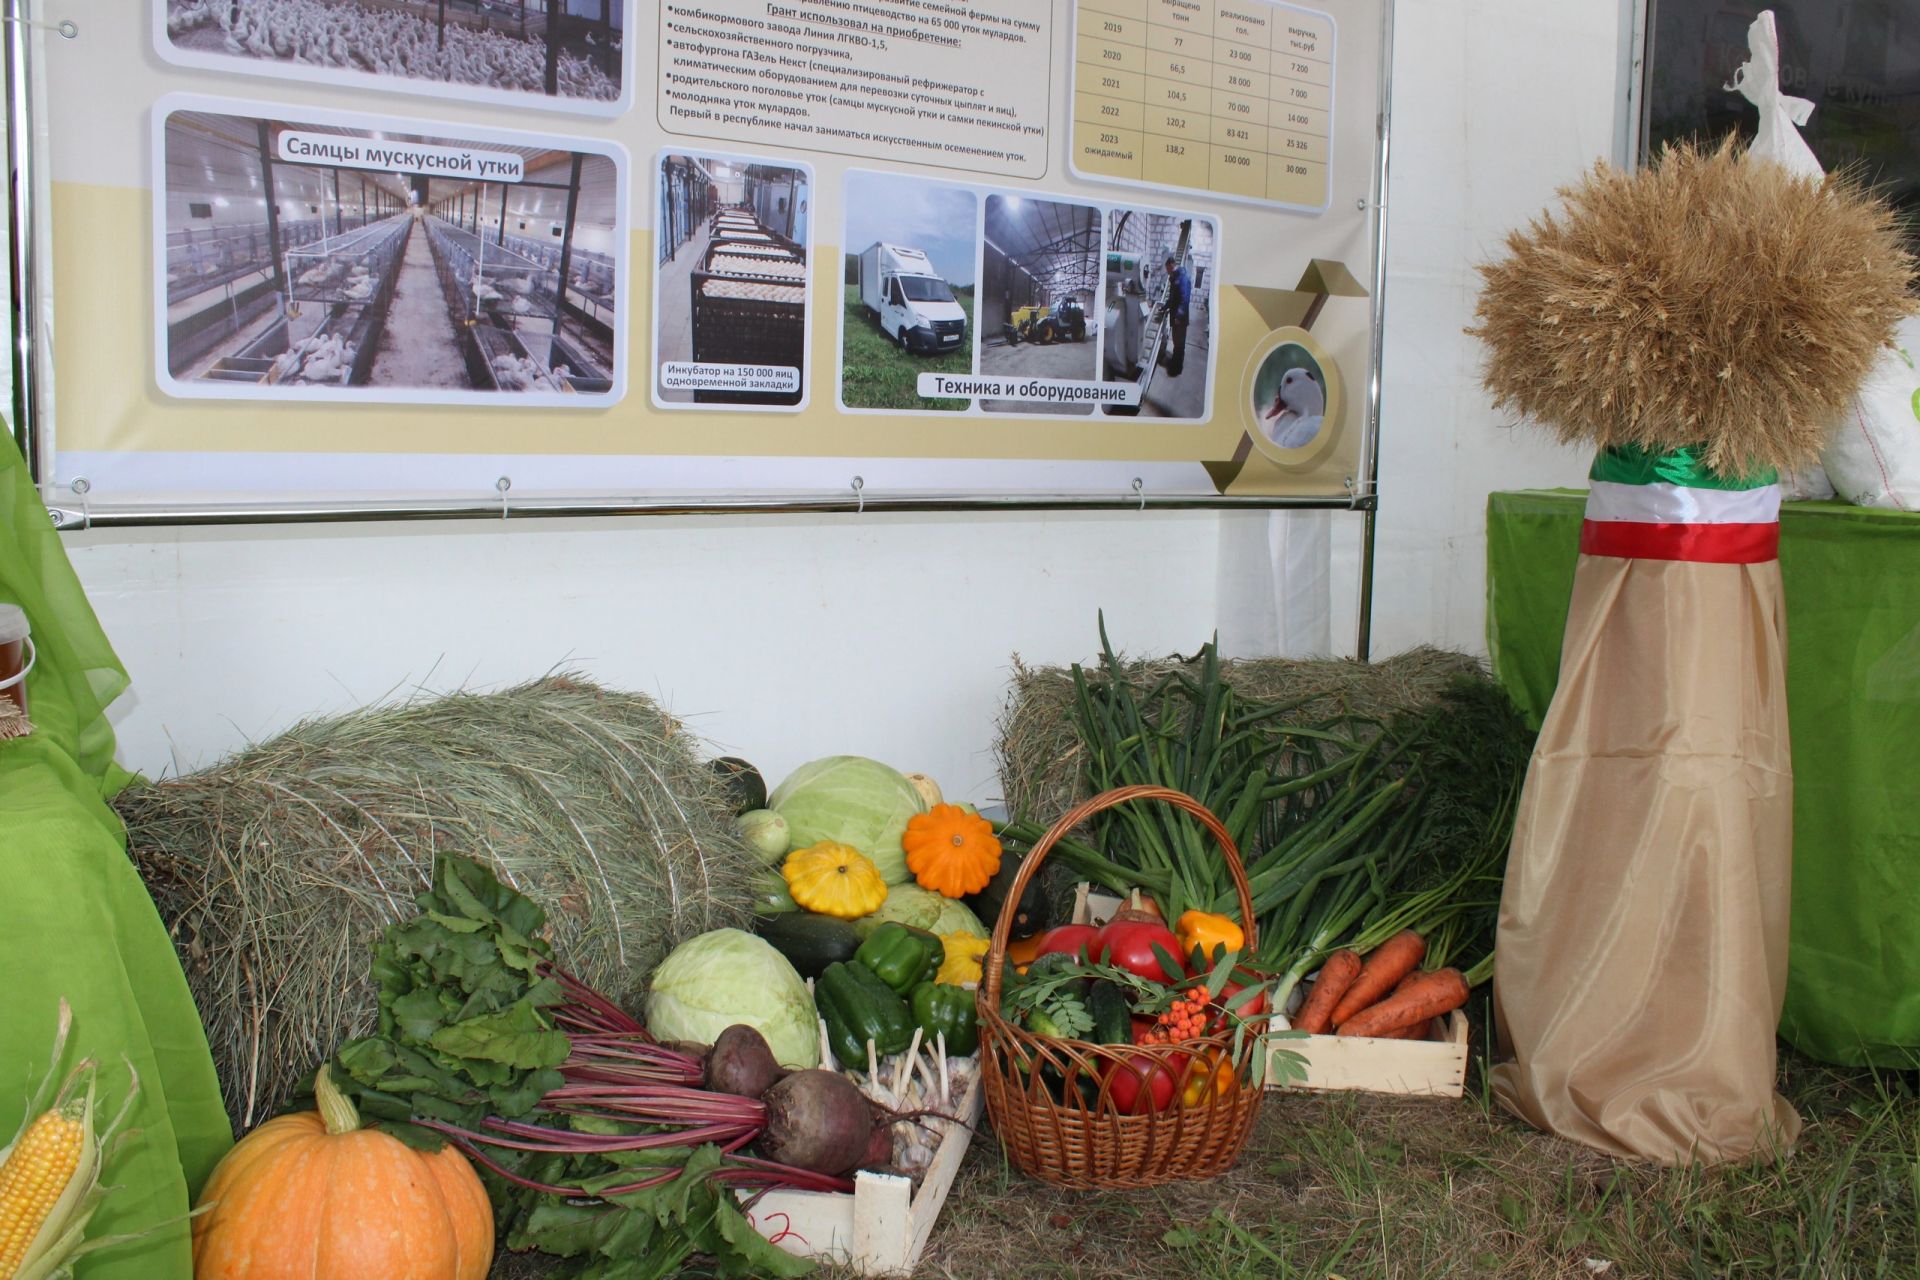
(1704, 299)
(1042, 769)
(277, 869)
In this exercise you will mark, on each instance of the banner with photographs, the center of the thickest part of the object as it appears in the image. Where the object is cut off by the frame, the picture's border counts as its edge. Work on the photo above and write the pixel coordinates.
(519, 251)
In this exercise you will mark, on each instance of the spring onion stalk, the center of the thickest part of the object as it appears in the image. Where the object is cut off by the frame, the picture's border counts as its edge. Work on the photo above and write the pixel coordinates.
(1350, 827)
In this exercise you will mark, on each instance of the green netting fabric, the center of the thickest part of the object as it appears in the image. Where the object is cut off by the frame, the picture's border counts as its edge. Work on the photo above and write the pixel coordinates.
(78, 921)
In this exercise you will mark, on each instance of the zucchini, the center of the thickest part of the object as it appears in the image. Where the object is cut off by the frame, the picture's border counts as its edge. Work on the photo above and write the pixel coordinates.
(744, 788)
(809, 940)
(1029, 918)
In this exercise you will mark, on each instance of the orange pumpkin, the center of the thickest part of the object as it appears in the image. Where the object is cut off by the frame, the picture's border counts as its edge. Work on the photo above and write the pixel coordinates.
(314, 1196)
(951, 851)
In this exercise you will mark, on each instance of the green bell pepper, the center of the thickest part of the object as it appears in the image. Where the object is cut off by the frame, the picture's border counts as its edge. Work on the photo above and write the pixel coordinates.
(858, 1007)
(943, 1009)
(901, 956)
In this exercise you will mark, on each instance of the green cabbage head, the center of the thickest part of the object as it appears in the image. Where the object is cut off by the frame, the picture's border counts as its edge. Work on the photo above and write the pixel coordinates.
(711, 982)
(850, 800)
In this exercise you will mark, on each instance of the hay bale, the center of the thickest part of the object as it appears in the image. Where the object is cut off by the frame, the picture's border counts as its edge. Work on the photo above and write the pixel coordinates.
(277, 869)
(1042, 773)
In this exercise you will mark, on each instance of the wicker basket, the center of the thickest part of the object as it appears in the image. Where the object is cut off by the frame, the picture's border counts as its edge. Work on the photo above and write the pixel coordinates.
(1097, 1144)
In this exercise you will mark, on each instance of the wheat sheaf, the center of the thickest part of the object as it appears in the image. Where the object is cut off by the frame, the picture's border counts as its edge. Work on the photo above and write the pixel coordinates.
(1702, 300)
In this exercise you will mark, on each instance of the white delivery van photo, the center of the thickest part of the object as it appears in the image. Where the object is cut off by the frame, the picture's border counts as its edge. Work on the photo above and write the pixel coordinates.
(914, 305)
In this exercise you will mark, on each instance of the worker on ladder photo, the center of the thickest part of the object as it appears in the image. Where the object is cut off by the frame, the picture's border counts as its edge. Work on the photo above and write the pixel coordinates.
(1179, 295)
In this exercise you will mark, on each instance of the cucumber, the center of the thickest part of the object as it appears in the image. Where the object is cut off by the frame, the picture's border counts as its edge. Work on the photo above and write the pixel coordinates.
(809, 940)
(1112, 1015)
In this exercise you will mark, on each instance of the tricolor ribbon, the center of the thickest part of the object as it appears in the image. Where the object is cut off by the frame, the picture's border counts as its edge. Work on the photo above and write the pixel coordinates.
(1688, 513)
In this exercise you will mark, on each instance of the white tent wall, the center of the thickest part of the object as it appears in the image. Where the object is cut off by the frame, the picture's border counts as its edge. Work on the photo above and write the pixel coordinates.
(785, 637)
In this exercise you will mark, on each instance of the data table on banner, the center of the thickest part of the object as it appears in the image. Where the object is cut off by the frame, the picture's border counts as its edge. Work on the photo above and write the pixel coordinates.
(1232, 97)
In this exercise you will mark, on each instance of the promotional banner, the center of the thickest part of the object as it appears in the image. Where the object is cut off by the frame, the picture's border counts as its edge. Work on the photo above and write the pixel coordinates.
(313, 250)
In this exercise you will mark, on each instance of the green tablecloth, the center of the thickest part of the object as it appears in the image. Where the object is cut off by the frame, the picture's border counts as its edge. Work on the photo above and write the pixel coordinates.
(78, 921)
(1852, 580)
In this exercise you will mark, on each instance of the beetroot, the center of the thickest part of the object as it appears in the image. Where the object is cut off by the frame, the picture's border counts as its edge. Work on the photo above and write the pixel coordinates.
(879, 1154)
(817, 1120)
(741, 1063)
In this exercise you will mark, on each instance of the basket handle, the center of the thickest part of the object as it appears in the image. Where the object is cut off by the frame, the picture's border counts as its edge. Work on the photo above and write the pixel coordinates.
(1030, 866)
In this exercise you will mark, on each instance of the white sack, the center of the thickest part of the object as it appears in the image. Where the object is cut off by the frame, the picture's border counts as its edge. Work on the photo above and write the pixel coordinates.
(1872, 458)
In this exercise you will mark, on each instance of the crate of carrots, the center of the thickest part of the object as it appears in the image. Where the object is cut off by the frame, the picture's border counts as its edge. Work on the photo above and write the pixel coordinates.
(1382, 1024)
(1377, 1023)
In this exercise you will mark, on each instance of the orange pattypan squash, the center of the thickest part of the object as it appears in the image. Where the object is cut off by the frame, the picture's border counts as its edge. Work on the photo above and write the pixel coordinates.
(951, 851)
(314, 1196)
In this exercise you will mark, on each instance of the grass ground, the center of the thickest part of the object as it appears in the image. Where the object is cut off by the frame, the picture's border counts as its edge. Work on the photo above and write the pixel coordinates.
(1352, 1187)
(1358, 1187)
(879, 375)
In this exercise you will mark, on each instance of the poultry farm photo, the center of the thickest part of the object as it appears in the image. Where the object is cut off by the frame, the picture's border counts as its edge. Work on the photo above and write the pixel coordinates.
(362, 280)
(507, 49)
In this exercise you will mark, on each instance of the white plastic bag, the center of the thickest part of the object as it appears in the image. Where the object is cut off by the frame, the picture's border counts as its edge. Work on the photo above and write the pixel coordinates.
(1872, 458)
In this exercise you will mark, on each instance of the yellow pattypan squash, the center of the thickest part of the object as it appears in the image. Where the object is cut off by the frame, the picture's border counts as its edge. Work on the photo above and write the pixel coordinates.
(834, 880)
(951, 851)
(964, 954)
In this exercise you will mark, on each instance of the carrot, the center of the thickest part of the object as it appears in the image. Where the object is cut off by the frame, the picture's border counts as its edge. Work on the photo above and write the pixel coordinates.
(1336, 975)
(1412, 1031)
(1391, 961)
(1433, 994)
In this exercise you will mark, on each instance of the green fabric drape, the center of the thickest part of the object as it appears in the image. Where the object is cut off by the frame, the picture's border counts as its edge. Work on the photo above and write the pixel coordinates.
(79, 923)
(1852, 583)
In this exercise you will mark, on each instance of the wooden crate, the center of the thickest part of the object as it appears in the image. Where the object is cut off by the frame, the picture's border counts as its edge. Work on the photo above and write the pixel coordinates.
(882, 1228)
(1435, 1067)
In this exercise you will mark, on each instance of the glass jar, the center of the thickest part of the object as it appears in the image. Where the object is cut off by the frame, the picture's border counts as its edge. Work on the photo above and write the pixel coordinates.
(16, 655)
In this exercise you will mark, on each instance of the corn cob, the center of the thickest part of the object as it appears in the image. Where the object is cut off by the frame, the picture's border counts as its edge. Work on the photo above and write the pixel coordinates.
(50, 1174)
(36, 1175)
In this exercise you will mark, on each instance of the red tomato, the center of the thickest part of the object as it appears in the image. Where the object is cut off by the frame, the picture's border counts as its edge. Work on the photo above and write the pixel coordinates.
(1129, 944)
(1068, 939)
(1246, 1007)
(1139, 1083)
(1142, 1023)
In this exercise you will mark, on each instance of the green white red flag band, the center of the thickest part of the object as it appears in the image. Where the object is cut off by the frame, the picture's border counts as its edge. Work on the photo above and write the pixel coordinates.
(1661, 521)
(1661, 503)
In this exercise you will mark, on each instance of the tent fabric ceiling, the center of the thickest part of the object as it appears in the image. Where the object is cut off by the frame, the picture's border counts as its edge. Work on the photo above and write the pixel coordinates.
(1056, 243)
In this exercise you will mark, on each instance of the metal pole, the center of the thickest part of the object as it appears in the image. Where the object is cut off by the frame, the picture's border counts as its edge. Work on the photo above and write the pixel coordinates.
(338, 227)
(566, 242)
(503, 215)
(24, 219)
(491, 508)
(273, 202)
(553, 47)
(1370, 446)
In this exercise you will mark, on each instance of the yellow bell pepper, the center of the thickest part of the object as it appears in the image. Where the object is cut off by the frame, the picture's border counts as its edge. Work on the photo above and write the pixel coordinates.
(964, 955)
(1210, 1078)
(834, 880)
(1208, 932)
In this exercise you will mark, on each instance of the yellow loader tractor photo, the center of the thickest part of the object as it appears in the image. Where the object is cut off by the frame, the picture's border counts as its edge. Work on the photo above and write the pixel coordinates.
(1064, 323)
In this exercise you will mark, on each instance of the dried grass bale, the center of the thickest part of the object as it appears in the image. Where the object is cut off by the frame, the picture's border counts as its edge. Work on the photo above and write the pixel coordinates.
(277, 869)
(1042, 766)
(1703, 299)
